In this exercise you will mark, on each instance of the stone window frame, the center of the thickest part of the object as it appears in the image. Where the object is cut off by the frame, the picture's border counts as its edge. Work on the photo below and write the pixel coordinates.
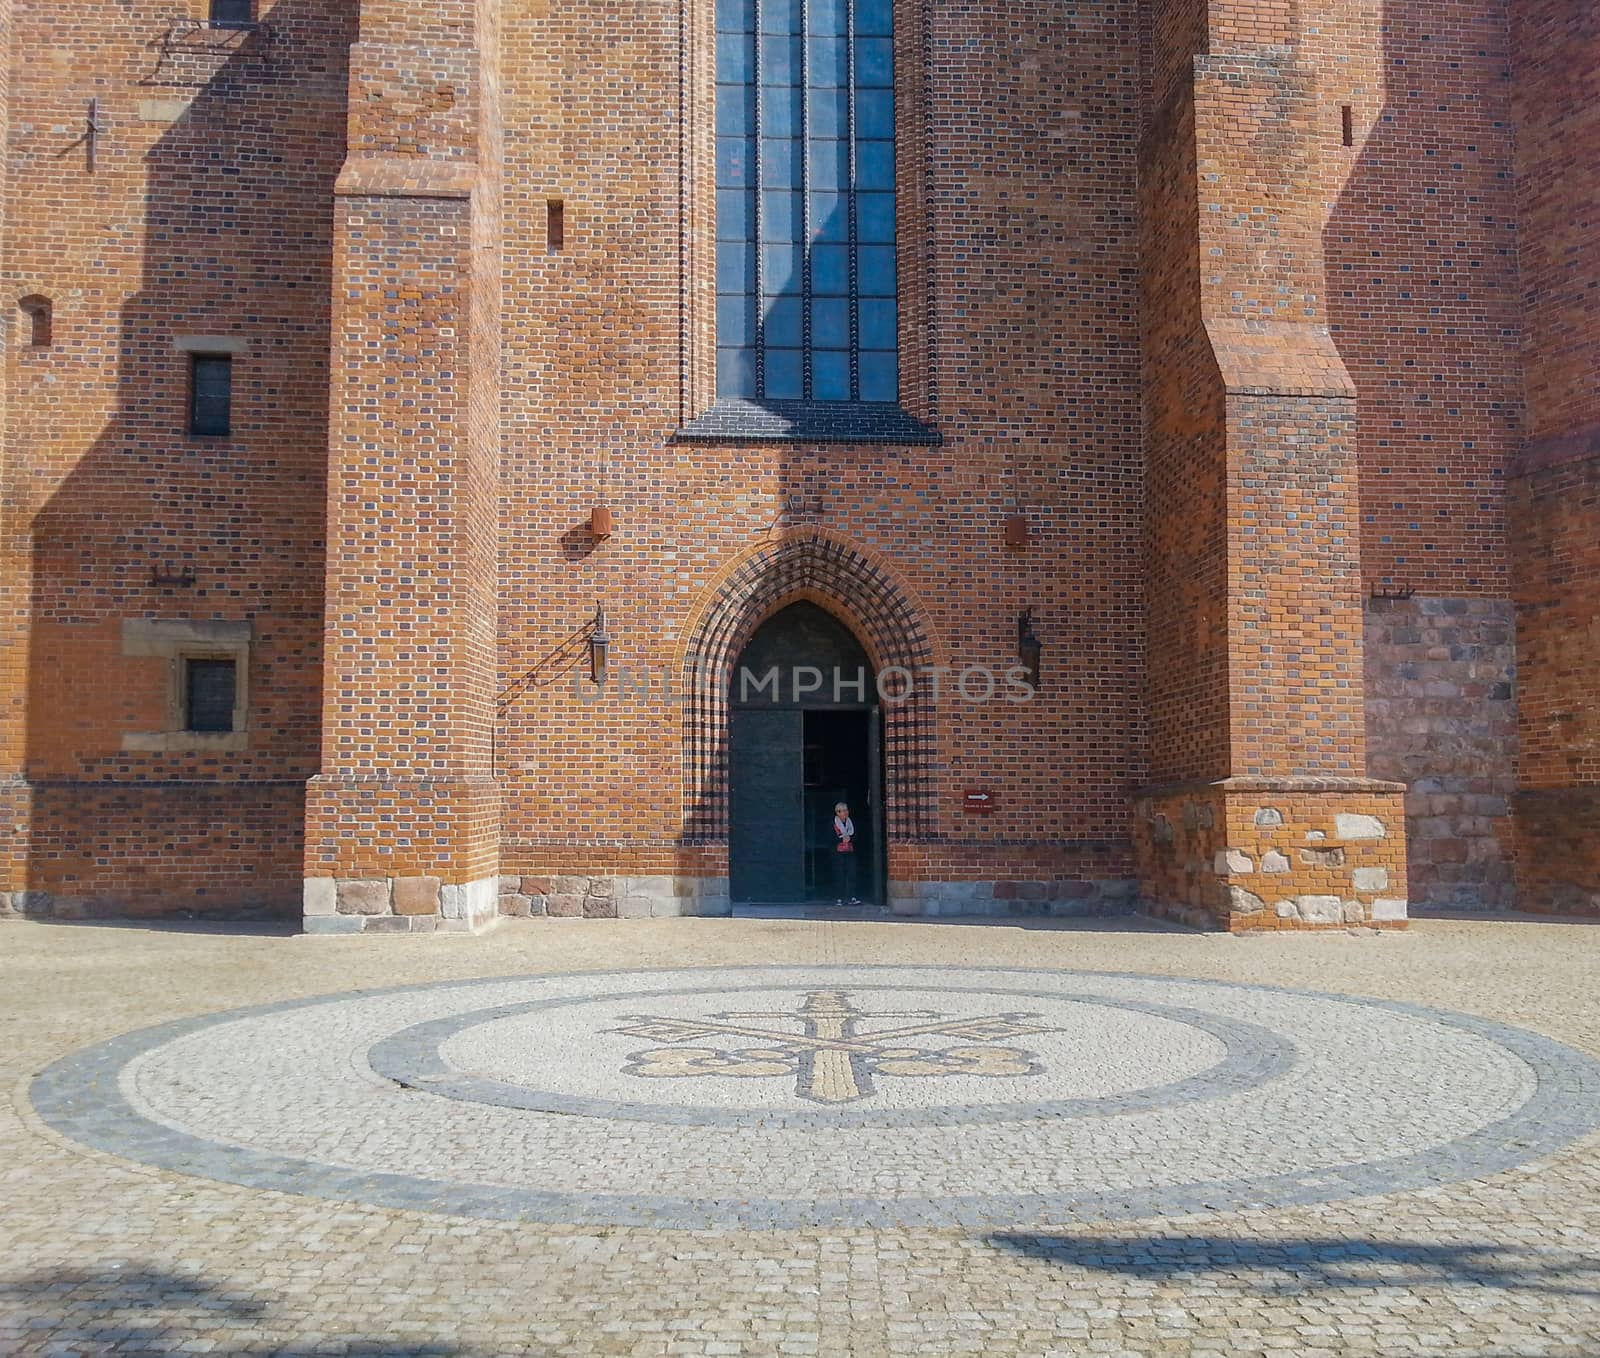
(177, 641)
(194, 347)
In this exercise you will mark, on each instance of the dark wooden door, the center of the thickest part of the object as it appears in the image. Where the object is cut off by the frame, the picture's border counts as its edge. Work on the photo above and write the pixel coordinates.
(877, 818)
(766, 810)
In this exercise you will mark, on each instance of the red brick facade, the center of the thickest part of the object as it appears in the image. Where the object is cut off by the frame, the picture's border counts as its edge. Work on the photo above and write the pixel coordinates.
(1223, 301)
(1555, 485)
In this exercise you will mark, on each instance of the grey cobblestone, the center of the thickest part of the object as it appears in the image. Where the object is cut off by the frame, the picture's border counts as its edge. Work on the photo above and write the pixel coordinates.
(104, 1255)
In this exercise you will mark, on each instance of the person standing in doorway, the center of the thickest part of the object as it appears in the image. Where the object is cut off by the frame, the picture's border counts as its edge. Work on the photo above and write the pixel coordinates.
(844, 856)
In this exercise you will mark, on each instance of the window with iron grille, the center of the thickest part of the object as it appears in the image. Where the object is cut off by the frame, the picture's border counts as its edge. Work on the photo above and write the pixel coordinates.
(231, 13)
(211, 394)
(806, 291)
(210, 691)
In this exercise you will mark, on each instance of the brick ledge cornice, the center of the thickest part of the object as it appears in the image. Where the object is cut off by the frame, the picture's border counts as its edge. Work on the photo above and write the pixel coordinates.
(377, 176)
(1278, 358)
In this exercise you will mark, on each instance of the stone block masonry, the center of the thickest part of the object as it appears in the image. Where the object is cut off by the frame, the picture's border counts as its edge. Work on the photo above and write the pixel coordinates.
(1442, 719)
(617, 896)
(399, 905)
(1247, 854)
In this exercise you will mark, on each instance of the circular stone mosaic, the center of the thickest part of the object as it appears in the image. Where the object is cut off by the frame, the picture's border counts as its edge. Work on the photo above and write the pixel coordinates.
(785, 1097)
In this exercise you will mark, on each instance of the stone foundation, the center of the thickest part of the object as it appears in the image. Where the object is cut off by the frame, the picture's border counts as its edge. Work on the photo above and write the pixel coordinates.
(1442, 719)
(1066, 897)
(1273, 853)
(244, 907)
(567, 896)
(399, 905)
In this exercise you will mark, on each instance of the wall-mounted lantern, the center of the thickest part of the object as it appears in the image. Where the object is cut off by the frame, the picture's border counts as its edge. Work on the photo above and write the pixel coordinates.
(599, 645)
(1029, 651)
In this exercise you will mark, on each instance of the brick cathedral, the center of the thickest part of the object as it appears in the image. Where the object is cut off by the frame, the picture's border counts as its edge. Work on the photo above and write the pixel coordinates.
(416, 415)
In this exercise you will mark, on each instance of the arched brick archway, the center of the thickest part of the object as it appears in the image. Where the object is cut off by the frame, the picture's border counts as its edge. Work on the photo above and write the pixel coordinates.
(863, 594)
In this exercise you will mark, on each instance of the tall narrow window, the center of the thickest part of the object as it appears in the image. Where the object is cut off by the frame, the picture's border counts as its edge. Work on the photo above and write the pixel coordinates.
(806, 306)
(211, 394)
(231, 13)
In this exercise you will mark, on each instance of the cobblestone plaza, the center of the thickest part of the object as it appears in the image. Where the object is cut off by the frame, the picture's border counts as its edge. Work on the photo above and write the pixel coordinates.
(793, 1136)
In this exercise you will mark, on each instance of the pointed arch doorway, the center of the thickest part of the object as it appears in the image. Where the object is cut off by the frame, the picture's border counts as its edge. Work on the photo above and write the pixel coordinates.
(804, 734)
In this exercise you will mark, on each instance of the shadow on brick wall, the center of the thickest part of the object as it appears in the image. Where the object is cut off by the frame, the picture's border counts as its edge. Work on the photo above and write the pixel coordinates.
(1422, 301)
(231, 238)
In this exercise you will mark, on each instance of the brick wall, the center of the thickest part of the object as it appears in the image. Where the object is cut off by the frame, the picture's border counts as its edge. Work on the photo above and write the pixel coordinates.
(1258, 741)
(1018, 257)
(14, 798)
(199, 208)
(1233, 372)
(1555, 488)
(1420, 250)
(403, 821)
(1421, 273)
(1556, 61)
(1261, 853)
(1556, 514)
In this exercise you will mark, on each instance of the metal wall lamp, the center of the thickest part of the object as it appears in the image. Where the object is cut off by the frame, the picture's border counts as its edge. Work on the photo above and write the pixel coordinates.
(1029, 649)
(599, 645)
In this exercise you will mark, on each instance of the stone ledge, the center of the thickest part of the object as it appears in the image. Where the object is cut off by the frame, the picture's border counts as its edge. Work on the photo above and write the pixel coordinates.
(1275, 783)
(1058, 897)
(570, 895)
(247, 906)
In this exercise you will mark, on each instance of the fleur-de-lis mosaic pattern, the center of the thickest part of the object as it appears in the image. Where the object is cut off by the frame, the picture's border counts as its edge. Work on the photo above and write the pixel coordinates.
(829, 1058)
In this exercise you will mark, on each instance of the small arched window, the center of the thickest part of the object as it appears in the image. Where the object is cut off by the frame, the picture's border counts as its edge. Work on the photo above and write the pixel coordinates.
(36, 314)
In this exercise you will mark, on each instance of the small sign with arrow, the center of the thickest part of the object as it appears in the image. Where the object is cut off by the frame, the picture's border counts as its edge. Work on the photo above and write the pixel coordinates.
(978, 801)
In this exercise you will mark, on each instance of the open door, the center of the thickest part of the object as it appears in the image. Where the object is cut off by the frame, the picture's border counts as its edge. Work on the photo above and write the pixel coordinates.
(766, 826)
(878, 880)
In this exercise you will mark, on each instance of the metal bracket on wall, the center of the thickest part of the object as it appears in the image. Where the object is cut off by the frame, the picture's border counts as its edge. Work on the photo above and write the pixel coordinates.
(169, 580)
(91, 130)
(796, 506)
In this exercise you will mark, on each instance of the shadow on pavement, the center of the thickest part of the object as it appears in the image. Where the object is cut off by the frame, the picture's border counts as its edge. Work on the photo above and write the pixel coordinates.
(149, 1311)
(1311, 1264)
(222, 926)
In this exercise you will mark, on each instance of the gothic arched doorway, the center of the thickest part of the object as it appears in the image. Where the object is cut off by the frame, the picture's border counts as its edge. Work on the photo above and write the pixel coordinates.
(804, 735)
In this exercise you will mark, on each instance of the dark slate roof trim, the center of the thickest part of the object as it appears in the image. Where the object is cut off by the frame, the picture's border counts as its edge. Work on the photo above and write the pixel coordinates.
(741, 421)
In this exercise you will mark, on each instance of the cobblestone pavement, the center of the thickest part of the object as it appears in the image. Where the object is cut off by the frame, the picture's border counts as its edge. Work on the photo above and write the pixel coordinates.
(925, 1061)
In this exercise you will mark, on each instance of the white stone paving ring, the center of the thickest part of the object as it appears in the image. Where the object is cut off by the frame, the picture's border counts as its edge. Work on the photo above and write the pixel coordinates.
(785, 1097)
